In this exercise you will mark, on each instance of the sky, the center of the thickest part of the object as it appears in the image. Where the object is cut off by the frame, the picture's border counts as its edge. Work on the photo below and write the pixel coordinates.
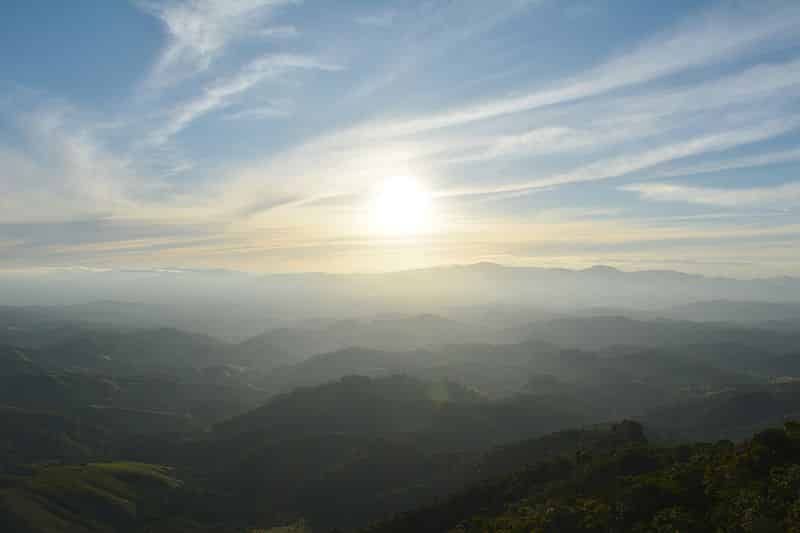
(264, 135)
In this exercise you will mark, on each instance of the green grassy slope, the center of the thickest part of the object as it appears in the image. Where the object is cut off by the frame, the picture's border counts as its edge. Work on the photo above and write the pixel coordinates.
(84, 498)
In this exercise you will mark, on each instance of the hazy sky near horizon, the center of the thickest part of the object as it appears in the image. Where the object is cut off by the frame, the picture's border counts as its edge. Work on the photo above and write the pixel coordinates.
(254, 134)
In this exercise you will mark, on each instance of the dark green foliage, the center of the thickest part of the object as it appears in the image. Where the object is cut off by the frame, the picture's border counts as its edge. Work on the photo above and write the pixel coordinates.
(636, 487)
(285, 460)
(432, 415)
(354, 404)
(28, 436)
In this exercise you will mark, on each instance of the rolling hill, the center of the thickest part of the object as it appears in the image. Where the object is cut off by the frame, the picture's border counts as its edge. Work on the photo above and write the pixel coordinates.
(94, 497)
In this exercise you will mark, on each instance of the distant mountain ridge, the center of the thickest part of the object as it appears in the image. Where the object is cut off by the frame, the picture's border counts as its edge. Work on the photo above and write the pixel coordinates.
(254, 303)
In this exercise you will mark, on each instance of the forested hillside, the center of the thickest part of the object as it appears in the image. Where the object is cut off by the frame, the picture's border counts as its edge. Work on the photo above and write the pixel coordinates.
(476, 435)
(753, 486)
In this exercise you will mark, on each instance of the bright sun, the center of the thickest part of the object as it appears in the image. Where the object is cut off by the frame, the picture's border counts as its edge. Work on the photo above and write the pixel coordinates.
(400, 206)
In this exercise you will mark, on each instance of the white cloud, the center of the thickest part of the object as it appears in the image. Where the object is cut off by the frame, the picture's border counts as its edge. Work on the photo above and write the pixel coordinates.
(759, 160)
(436, 29)
(64, 170)
(627, 163)
(778, 196)
(199, 31)
(709, 39)
(222, 93)
(626, 119)
(271, 110)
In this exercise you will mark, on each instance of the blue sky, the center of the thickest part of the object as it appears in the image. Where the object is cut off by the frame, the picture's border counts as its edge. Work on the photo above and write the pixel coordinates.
(253, 134)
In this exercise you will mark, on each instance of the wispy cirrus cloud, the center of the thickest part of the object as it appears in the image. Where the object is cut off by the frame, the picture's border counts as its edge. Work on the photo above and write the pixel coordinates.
(732, 163)
(198, 31)
(436, 29)
(271, 110)
(623, 119)
(64, 170)
(778, 196)
(711, 38)
(626, 163)
(222, 93)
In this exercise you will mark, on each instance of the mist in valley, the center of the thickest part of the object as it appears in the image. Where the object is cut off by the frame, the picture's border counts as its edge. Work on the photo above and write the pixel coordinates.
(427, 381)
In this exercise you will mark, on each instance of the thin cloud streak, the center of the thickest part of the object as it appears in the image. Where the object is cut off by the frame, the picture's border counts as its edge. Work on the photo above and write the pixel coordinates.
(277, 110)
(785, 195)
(696, 44)
(222, 93)
(626, 164)
(760, 160)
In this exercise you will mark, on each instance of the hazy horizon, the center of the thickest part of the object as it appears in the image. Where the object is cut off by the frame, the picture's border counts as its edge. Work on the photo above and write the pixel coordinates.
(43, 271)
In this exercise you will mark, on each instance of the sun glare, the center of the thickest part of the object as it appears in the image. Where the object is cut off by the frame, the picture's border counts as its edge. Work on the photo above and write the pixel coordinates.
(400, 206)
